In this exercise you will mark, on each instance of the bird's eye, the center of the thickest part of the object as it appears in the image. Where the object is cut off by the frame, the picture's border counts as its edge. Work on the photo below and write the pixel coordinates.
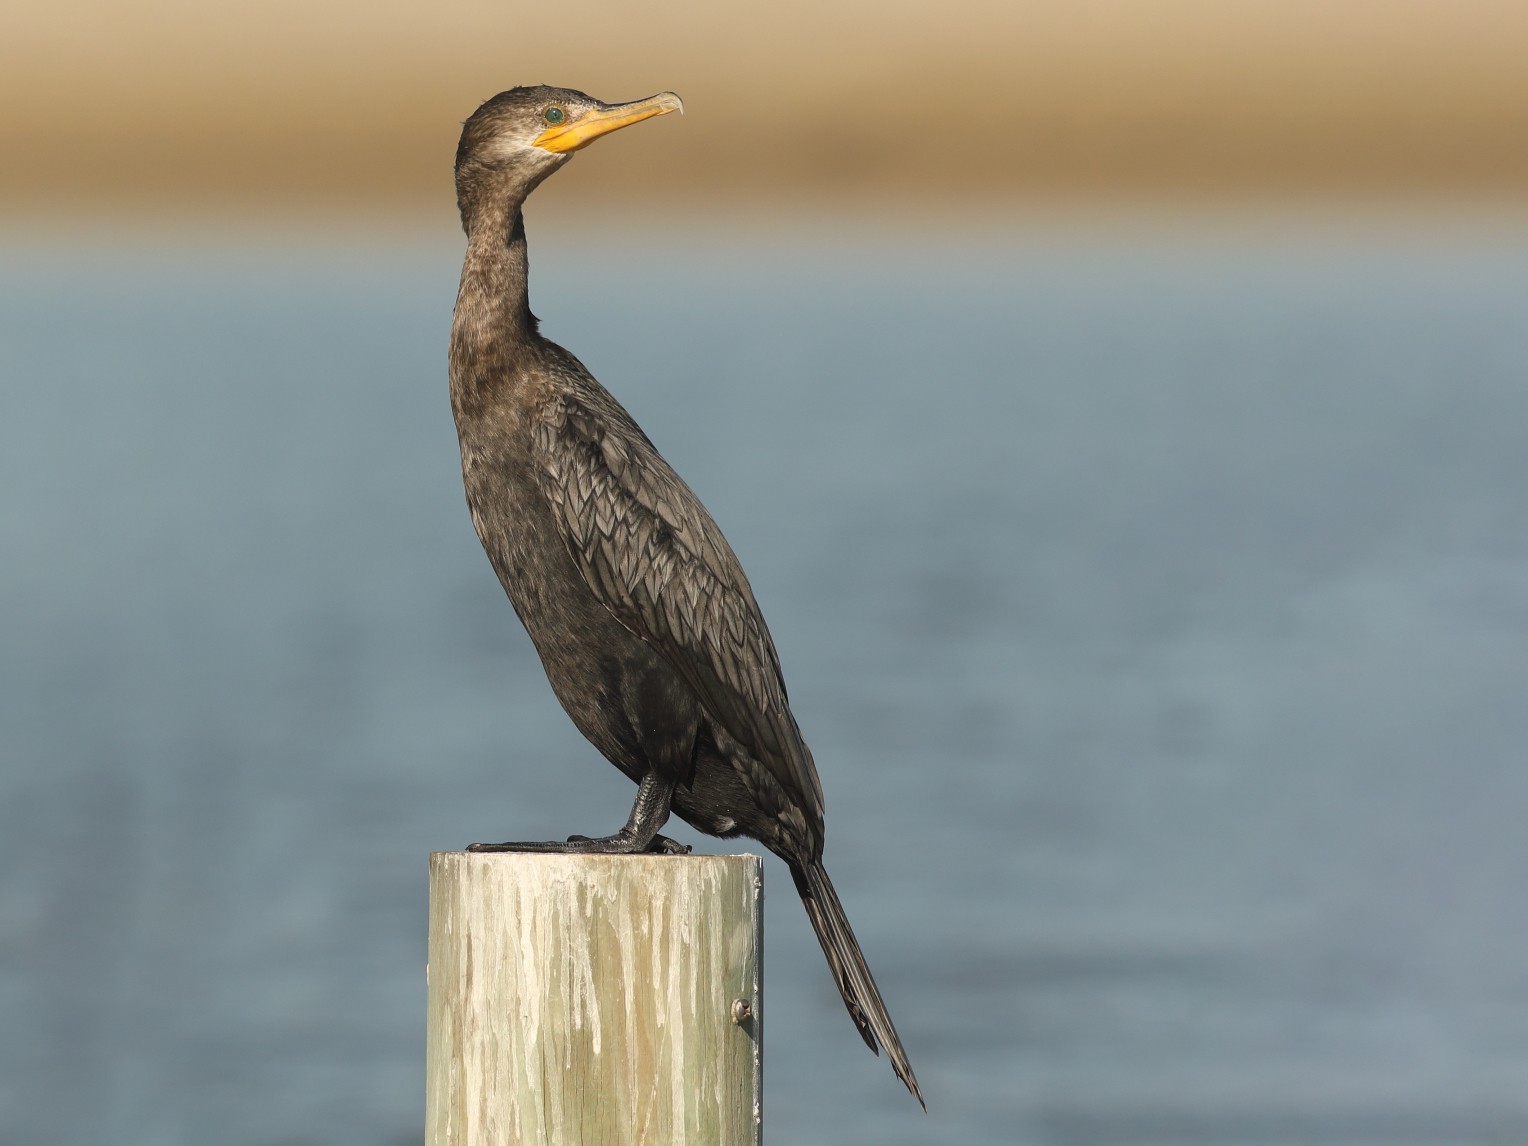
(554, 115)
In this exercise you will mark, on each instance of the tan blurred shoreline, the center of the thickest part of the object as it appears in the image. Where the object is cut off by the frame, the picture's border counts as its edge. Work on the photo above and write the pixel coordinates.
(345, 107)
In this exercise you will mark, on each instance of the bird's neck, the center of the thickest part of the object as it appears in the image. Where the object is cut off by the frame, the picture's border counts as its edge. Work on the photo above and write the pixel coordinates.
(492, 303)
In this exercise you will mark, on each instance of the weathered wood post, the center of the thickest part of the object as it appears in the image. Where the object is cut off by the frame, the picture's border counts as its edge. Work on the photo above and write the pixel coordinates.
(599, 1000)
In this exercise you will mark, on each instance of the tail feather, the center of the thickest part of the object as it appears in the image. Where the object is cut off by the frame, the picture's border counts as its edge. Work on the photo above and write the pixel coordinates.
(855, 983)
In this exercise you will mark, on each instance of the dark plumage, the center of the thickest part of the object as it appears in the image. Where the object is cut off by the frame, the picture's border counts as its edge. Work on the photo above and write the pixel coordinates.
(644, 621)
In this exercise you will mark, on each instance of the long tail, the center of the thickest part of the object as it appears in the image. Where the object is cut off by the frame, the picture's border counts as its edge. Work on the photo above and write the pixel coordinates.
(855, 983)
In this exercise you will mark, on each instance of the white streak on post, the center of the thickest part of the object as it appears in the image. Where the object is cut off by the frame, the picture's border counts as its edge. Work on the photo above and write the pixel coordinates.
(589, 999)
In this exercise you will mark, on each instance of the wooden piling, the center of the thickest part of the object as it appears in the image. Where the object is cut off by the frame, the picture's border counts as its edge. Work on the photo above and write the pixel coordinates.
(599, 1000)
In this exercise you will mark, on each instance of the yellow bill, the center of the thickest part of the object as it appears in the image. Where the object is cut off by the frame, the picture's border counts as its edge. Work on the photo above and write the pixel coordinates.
(582, 130)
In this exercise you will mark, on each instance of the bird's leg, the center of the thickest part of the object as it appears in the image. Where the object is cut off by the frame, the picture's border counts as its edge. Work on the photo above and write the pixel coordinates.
(648, 814)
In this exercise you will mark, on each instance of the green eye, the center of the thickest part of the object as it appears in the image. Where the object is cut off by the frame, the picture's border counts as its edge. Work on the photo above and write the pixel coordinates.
(554, 115)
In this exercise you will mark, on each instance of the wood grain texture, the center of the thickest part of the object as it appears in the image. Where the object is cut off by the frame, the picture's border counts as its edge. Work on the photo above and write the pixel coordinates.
(590, 1000)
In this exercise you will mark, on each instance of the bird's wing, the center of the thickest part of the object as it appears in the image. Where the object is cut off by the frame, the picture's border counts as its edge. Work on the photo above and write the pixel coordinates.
(652, 554)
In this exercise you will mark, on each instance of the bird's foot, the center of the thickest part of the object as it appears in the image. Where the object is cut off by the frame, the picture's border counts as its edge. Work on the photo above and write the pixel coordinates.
(663, 846)
(622, 843)
(639, 836)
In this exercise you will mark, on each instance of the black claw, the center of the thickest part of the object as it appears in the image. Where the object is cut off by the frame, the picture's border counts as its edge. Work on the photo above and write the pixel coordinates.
(639, 835)
(618, 844)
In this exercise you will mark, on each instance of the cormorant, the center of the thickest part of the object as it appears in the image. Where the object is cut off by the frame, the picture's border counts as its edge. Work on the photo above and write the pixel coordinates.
(644, 620)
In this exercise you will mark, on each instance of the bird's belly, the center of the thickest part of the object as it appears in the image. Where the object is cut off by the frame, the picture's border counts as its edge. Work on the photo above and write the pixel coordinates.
(625, 698)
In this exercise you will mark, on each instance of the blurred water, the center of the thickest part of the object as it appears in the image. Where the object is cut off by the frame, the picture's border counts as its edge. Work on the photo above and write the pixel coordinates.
(1156, 611)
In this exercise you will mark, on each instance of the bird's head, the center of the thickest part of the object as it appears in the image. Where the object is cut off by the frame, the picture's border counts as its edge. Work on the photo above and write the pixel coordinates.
(519, 137)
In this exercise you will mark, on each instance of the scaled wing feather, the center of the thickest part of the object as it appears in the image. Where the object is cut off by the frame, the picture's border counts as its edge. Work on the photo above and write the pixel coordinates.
(652, 554)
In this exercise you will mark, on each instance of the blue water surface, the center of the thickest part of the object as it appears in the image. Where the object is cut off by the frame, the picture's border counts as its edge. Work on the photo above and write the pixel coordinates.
(1155, 603)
